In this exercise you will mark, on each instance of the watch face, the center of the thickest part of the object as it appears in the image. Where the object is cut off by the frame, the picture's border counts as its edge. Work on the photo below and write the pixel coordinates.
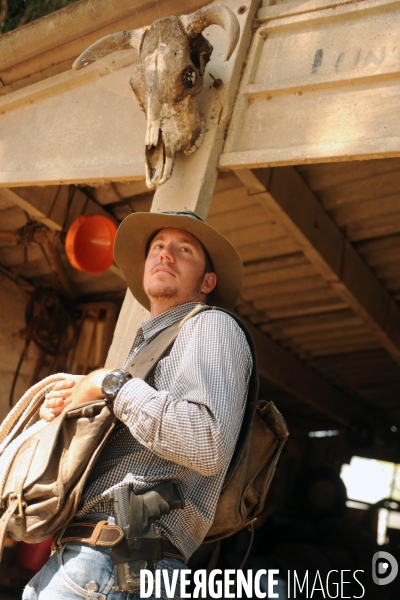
(111, 384)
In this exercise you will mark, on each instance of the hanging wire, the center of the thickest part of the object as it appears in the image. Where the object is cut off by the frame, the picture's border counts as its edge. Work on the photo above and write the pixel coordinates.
(56, 195)
(71, 193)
(17, 370)
(50, 324)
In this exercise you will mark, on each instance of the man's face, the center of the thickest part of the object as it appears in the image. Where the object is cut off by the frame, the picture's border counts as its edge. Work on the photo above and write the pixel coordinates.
(174, 270)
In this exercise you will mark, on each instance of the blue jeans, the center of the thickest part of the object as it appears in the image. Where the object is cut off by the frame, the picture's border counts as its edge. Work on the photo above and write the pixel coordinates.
(74, 565)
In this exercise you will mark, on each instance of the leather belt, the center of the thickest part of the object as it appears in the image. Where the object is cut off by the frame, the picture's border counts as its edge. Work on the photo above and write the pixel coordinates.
(105, 535)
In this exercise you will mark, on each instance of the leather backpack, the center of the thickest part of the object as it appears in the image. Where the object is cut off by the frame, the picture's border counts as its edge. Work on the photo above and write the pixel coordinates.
(45, 465)
(262, 438)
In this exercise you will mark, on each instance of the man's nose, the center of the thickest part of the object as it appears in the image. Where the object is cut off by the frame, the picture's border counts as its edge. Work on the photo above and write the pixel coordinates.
(167, 253)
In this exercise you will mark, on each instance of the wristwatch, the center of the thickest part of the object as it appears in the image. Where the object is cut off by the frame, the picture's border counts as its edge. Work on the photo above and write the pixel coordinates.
(113, 382)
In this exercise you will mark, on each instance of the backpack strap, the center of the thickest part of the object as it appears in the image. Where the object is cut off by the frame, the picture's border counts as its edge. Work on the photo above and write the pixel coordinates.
(251, 402)
(5, 518)
(147, 358)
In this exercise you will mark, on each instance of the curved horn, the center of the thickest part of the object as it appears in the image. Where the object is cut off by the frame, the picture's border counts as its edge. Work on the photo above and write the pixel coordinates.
(214, 14)
(110, 43)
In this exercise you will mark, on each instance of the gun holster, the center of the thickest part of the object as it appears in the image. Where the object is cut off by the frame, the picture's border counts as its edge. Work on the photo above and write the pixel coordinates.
(142, 545)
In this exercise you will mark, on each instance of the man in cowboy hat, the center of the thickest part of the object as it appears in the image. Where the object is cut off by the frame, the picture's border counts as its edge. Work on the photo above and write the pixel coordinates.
(182, 423)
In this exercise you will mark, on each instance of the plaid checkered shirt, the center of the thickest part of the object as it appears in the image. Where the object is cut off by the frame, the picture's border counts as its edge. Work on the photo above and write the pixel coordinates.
(181, 424)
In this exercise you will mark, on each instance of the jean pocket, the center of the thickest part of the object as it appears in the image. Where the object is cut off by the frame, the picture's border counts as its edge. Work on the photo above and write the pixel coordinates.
(170, 578)
(85, 570)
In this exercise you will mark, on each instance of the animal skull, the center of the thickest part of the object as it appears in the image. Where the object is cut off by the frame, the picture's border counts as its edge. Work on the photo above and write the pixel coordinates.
(168, 76)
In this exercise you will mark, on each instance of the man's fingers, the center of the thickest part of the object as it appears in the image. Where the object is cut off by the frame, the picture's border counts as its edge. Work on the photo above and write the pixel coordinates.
(68, 383)
(64, 388)
(46, 414)
(53, 401)
(63, 394)
(52, 407)
(75, 389)
(65, 384)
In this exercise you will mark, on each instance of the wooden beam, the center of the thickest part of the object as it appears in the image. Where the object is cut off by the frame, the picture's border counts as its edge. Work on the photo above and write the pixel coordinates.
(56, 207)
(285, 194)
(290, 374)
(50, 36)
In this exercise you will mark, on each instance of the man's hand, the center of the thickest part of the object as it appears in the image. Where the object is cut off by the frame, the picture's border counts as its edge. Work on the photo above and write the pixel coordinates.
(58, 398)
(75, 390)
(89, 388)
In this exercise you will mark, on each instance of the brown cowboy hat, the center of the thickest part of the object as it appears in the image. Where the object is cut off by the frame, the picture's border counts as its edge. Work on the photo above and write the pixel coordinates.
(135, 233)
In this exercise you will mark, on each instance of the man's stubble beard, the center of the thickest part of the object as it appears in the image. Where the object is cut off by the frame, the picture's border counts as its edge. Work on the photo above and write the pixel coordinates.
(157, 291)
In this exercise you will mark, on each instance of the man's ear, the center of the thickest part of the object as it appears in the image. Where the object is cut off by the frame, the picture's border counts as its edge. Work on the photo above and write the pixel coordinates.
(209, 283)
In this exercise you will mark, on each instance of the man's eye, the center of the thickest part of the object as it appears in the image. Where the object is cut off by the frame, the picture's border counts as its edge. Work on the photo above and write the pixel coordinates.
(185, 249)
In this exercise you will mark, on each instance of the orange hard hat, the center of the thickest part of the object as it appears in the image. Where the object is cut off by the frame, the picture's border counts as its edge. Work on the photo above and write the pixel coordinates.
(89, 243)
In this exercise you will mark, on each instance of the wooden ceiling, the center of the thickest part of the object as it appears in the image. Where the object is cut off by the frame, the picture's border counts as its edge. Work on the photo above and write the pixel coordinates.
(321, 250)
(30, 262)
(294, 292)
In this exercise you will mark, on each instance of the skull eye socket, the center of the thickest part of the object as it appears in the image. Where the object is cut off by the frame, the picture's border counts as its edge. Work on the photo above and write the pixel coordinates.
(188, 77)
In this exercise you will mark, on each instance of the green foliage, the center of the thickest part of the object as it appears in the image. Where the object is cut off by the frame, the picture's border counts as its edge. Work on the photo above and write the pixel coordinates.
(14, 13)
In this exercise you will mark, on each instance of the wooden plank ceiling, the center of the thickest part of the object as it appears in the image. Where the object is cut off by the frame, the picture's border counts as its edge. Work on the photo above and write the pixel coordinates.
(324, 311)
(289, 293)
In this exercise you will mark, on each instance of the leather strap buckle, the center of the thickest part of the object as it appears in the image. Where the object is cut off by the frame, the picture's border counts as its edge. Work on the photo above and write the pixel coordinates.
(92, 541)
(95, 534)
(20, 506)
